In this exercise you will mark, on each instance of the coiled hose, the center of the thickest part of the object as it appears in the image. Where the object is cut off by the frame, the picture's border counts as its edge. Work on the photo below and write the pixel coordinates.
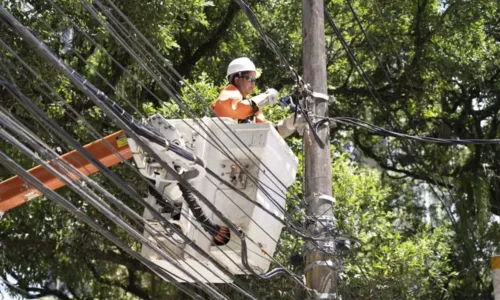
(221, 234)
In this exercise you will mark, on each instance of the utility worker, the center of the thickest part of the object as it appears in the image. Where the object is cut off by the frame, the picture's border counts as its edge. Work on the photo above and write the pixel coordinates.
(231, 103)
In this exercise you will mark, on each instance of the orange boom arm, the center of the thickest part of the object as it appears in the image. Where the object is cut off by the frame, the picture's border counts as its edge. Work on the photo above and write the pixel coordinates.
(14, 191)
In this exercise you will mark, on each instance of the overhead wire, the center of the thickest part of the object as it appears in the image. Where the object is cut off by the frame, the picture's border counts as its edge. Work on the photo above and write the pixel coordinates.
(41, 49)
(140, 48)
(17, 169)
(352, 57)
(66, 173)
(273, 215)
(95, 14)
(425, 139)
(444, 141)
(268, 41)
(144, 64)
(161, 219)
(233, 250)
(377, 57)
(70, 173)
(393, 123)
(249, 12)
(157, 217)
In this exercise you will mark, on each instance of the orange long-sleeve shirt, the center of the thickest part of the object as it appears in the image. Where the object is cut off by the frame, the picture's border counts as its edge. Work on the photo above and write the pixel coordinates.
(231, 104)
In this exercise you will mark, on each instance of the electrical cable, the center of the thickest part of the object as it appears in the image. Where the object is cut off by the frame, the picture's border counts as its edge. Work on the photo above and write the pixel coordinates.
(160, 219)
(68, 169)
(46, 53)
(224, 253)
(123, 44)
(19, 170)
(92, 199)
(138, 33)
(153, 211)
(268, 41)
(384, 132)
(377, 57)
(370, 85)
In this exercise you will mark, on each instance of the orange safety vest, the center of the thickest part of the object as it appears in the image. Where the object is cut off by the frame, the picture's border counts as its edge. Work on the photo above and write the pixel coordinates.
(231, 104)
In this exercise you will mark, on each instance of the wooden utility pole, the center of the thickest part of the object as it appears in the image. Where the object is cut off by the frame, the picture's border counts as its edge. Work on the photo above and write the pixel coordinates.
(495, 270)
(320, 268)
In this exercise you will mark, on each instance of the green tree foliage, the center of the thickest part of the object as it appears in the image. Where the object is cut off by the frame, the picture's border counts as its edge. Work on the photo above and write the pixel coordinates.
(436, 75)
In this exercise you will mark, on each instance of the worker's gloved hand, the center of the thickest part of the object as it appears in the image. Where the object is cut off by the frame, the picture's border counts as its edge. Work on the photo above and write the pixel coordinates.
(269, 97)
(287, 126)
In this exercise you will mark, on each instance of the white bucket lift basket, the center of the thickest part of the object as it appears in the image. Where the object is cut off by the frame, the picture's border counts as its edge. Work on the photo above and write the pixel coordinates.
(265, 155)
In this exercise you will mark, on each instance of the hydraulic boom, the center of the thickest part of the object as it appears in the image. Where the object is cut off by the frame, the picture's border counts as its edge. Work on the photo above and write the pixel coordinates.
(15, 192)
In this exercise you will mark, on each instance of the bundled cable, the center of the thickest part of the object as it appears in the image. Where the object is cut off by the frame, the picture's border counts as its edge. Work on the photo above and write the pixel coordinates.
(148, 133)
(222, 234)
(425, 139)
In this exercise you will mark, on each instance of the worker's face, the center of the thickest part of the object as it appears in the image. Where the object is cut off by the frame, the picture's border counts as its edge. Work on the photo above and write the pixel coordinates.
(246, 83)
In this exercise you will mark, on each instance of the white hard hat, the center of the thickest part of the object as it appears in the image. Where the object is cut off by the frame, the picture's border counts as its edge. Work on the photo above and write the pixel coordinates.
(242, 64)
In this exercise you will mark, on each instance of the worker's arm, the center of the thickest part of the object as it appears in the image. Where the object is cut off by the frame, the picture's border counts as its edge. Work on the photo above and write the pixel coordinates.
(291, 124)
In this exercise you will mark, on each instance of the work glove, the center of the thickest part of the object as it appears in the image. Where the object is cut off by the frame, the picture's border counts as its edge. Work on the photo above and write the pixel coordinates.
(269, 97)
(287, 126)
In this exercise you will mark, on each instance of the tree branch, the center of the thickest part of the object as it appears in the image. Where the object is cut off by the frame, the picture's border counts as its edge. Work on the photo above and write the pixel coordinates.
(91, 253)
(210, 44)
(382, 162)
(29, 292)
(131, 288)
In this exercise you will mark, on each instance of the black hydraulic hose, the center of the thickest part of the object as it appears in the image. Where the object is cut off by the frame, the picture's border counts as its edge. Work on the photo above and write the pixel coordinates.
(222, 234)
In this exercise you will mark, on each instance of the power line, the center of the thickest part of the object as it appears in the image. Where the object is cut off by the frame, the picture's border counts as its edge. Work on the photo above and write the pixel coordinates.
(69, 172)
(382, 105)
(379, 61)
(17, 169)
(125, 186)
(77, 84)
(65, 174)
(384, 132)
(77, 81)
(144, 65)
(152, 210)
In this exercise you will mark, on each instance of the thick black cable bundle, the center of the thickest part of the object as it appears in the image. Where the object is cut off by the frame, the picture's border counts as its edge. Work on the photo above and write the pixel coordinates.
(134, 126)
(70, 73)
(222, 234)
(424, 139)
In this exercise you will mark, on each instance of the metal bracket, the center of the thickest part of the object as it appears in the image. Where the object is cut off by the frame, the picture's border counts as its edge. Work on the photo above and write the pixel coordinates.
(325, 296)
(321, 96)
(319, 199)
(323, 230)
(319, 263)
(325, 199)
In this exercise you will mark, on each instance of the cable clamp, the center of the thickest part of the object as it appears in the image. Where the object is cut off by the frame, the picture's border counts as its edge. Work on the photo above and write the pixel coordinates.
(327, 223)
